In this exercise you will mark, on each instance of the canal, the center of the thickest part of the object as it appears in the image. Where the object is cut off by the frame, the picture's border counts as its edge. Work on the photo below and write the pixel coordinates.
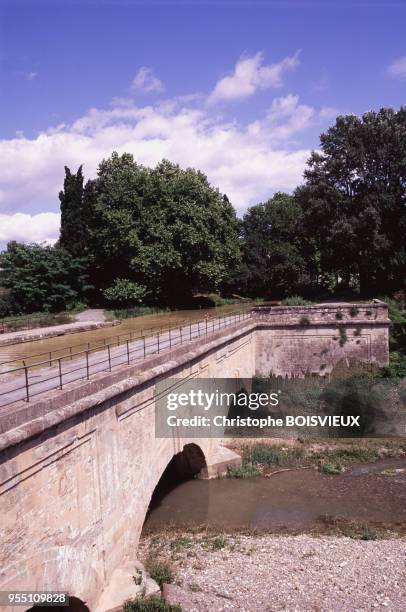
(145, 324)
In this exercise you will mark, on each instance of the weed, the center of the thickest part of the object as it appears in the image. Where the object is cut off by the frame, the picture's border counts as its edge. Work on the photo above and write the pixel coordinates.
(218, 542)
(295, 300)
(149, 604)
(247, 470)
(339, 315)
(180, 543)
(354, 311)
(304, 321)
(343, 336)
(160, 571)
(195, 588)
(331, 468)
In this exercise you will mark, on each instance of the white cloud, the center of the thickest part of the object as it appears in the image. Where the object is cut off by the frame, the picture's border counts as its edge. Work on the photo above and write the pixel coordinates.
(146, 81)
(30, 76)
(285, 118)
(250, 74)
(247, 162)
(398, 67)
(43, 227)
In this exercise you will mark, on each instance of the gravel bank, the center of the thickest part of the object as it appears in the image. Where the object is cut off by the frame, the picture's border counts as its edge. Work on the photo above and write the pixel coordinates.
(292, 573)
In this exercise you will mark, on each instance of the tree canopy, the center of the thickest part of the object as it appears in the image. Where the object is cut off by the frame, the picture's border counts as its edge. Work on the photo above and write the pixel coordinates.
(165, 230)
(354, 200)
(41, 277)
(272, 261)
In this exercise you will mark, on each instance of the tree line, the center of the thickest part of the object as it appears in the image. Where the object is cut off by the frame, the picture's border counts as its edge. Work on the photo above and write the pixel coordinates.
(160, 235)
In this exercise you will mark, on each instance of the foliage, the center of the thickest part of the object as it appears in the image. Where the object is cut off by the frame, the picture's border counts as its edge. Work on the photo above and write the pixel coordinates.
(124, 291)
(246, 470)
(331, 468)
(136, 311)
(150, 604)
(73, 236)
(295, 300)
(41, 277)
(353, 202)
(272, 260)
(165, 229)
(160, 571)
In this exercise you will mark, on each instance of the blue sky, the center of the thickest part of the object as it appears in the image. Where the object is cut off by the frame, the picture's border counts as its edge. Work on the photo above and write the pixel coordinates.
(239, 89)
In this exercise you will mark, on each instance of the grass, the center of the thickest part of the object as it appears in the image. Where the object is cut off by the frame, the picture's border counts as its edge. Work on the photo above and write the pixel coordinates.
(160, 571)
(246, 470)
(261, 455)
(150, 604)
(267, 454)
(352, 529)
(331, 468)
(295, 300)
(136, 311)
(35, 320)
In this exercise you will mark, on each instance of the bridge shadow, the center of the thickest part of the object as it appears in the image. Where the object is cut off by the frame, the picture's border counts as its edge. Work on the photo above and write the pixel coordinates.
(183, 466)
(75, 605)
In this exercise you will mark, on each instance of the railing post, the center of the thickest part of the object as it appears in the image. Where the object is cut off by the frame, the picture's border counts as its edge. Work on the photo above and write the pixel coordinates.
(144, 346)
(60, 373)
(170, 338)
(27, 387)
(108, 351)
(50, 358)
(190, 331)
(128, 353)
(206, 327)
(87, 365)
(158, 342)
(181, 339)
(70, 351)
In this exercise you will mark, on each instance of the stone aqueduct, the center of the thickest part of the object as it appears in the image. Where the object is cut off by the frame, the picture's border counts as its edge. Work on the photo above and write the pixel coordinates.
(78, 467)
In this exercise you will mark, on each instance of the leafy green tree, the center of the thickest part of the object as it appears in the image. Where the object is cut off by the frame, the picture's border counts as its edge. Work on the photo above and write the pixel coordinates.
(354, 200)
(73, 235)
(123, 292)
(41, 277)
(272, 261)
(165, 229)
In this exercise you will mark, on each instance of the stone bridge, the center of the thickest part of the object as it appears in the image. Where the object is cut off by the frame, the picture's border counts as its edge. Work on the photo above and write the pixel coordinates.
(78, 467)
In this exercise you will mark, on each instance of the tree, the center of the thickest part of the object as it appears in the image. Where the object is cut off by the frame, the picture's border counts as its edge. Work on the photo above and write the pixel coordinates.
(165, 229)
(41, 277)
(73, 236)
(272, 261)
(354, 200)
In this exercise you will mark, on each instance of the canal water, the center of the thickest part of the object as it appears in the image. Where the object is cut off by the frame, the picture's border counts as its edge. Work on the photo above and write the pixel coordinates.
(145, 324)
(290, 501)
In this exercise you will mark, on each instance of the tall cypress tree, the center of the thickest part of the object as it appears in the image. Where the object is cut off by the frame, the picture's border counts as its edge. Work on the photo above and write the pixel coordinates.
(73, 218)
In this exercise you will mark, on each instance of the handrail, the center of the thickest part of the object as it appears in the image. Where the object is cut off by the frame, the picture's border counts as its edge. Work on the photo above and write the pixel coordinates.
(162, 340)
(100, 344)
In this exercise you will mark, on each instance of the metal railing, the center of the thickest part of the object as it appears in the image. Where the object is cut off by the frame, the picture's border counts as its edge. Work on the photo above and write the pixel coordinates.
(29, 380)
(51, 356)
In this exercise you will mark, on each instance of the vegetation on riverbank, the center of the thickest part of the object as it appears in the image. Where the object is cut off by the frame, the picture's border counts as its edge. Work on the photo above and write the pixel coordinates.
(329, 456)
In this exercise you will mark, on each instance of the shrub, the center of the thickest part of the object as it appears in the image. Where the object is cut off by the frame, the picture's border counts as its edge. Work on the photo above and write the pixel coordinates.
(247, 470)
(295, 300)
(304, 321)
(354, 311)
(149, 604)
(339, 315)
(331, 468)
(160, 571)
